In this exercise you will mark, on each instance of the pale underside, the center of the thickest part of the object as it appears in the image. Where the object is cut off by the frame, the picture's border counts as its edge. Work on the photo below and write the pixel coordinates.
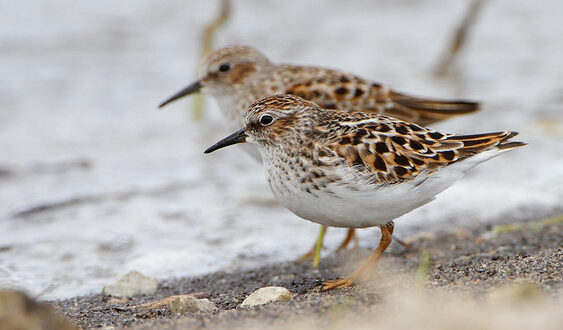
(351, 201)
(356, 169)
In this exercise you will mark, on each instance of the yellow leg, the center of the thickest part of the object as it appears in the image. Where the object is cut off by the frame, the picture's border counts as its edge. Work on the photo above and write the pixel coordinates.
(350, 236)
(367, 268)
(319, 246)
(315, 252)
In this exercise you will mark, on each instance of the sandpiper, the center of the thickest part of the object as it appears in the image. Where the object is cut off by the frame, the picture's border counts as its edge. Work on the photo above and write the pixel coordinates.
(356, 170)
(236, 76)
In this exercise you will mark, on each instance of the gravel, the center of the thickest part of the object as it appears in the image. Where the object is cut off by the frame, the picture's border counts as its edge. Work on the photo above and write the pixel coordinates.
(473, 261)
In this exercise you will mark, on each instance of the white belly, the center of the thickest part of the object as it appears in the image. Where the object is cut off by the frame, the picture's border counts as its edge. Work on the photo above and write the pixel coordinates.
(351, 205)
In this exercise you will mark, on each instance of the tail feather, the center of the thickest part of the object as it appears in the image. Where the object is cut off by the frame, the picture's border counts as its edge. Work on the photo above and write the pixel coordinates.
(433, 110)
(511, 145)
(473, 144)
(481, 147)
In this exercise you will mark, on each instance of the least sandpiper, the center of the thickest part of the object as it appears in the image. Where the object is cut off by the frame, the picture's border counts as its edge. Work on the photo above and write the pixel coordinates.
(356, 170)
(238, 75)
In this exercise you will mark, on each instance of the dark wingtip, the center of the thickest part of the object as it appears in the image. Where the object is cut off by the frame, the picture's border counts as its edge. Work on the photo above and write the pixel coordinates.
(473, 106)
(510, 145)
(510, 135)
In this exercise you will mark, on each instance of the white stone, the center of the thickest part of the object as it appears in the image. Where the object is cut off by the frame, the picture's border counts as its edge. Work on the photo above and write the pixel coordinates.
(189, 304)
(131, 284)
(267, 295)
(181, 304)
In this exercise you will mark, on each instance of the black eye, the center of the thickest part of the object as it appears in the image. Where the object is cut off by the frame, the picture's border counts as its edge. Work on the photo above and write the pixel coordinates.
(224, 67)
(266, 120)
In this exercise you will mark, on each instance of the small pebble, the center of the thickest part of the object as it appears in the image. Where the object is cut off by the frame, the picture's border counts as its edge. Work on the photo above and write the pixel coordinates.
(267, 295)
(131, 284)
(181, 304)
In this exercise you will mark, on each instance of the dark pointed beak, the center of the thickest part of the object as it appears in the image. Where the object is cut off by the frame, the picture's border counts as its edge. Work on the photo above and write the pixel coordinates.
(193, 88)
(236, 137)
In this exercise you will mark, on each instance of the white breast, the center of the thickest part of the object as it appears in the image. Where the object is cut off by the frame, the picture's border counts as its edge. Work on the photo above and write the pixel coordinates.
(348, 202)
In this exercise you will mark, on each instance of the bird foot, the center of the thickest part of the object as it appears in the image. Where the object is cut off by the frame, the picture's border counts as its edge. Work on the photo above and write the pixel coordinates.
(341, 283)
(343, 246)
(310, 255)
(406, 245)
(350, 236)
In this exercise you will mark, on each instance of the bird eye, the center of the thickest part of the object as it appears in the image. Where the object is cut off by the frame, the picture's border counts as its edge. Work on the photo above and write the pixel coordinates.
(224, 67)
(266, 120)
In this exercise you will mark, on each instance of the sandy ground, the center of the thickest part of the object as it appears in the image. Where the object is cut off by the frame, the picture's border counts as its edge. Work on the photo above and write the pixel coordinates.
(472, 270)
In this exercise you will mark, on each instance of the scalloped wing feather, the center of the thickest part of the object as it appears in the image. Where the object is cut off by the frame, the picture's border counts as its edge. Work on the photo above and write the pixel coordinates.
(332, 89)
(394, 151)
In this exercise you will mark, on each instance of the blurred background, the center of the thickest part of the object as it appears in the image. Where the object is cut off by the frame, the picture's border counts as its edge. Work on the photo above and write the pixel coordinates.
(95, 181)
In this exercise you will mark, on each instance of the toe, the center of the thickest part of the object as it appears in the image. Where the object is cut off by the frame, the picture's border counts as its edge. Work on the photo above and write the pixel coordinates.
(307, 256)
(342, 283)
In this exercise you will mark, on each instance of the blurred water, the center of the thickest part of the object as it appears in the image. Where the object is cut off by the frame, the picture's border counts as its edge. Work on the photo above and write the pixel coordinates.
(94, 181)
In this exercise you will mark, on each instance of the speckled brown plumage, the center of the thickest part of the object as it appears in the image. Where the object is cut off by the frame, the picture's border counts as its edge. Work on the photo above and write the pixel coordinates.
(236, 76)
(358, 169)
(252, 76)
(391, 149)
